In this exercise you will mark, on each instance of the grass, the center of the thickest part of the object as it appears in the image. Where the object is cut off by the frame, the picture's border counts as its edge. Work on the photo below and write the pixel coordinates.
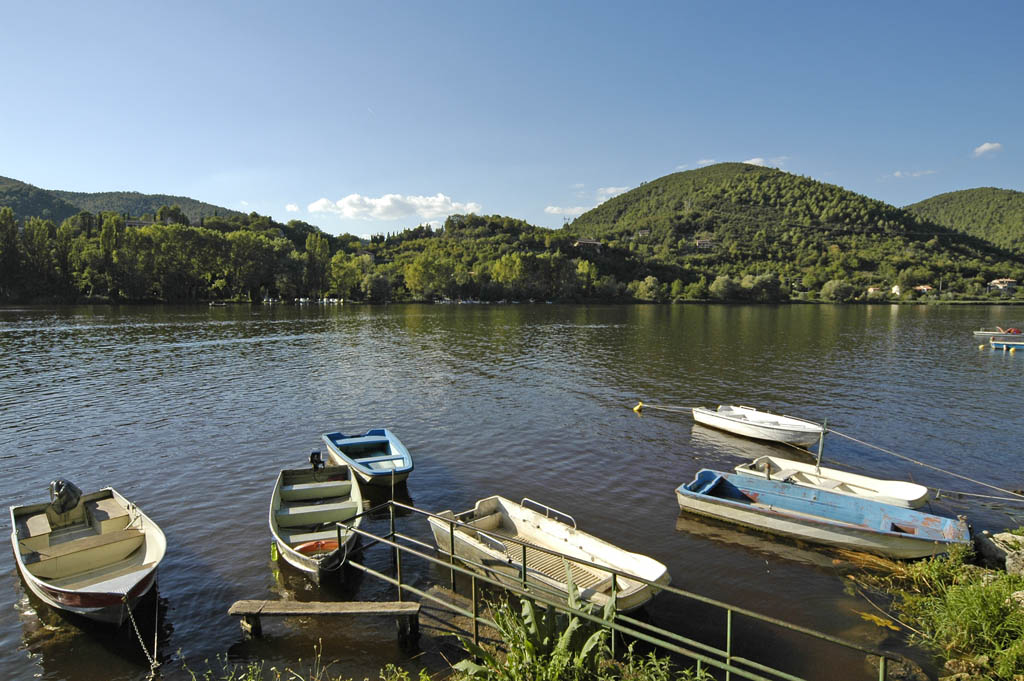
(963, 613)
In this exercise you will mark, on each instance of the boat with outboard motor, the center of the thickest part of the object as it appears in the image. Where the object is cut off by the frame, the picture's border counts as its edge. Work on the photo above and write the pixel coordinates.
(305, 511)
(94, 555)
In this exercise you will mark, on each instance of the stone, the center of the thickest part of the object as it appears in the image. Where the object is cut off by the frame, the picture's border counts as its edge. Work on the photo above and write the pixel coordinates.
(993, 548)
(1015, 563)
(900, 669)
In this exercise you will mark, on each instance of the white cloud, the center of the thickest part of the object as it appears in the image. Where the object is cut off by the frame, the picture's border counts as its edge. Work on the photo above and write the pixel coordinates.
(608, 192)
(556, 210)
(244, 203)
(578, 185)
(392, 207)
(682, 167)
(986, 148)
(292, 208)
(776, 162)
(705, 161)
(913, 173)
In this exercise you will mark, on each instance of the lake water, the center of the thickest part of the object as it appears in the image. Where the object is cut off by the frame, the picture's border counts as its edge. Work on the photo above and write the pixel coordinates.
(191, 412)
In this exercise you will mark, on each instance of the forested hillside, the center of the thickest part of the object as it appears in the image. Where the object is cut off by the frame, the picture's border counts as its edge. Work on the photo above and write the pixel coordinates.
(136, 204)
(726, 232)
(996, 215)
(27, 201)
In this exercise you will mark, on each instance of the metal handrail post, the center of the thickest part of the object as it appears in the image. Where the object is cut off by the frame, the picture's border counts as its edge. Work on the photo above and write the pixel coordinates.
(522, 572)
(451, 551)
(476, 621)
(728, 642)
(882, 659)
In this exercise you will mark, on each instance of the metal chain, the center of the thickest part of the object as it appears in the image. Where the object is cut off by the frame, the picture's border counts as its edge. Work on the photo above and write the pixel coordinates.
(153, 664)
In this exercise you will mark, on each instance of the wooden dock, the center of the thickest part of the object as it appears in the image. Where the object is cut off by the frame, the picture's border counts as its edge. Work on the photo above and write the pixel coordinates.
(405, 613)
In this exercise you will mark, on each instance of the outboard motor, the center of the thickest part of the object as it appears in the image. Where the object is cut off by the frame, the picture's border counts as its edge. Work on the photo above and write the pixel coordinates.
(64, 496)
(316, 460)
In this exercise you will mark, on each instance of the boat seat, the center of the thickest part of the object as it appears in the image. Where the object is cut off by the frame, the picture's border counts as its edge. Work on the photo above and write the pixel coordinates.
(829, 484)
(377, 459)
(316, 490)
(313, 514)
(784, 475)
(83, 554)
(107, 515)
(93, 580)
(710, 485)
(293, 538)
(488, 522)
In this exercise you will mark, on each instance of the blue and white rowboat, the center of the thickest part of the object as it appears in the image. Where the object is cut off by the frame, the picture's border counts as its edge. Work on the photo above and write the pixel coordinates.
(1006, 342)
(820, 516)
(377, 456)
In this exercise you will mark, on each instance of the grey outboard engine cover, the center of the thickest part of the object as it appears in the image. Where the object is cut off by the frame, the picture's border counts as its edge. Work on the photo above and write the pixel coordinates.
(64, 495)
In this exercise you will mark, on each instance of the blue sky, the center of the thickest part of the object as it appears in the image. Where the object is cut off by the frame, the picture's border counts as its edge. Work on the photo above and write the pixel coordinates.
(376, 116)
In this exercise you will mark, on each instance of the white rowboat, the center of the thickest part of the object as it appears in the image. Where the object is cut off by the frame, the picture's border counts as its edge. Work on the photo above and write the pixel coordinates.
(895, 492)
(497, 534)
(93, 555)
(761, 425)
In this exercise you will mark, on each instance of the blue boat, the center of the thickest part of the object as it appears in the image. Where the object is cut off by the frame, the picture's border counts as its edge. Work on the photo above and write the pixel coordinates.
(377, 456)
(820, 516)
(1006, 342)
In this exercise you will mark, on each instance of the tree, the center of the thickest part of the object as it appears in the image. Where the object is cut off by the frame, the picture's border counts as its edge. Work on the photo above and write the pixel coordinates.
(838, 291)
(724, 287)
(172, 215)
(318, 258)
(345, 275)
(10, 260)
(376, 288)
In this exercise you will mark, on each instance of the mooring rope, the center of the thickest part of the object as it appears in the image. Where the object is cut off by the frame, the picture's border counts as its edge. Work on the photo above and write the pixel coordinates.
(1015, 495)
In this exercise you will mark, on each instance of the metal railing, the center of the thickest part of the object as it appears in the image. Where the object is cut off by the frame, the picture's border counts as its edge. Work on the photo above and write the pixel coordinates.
(703, 654)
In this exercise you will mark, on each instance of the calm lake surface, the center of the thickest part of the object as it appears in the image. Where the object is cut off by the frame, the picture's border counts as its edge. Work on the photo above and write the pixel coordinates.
(191, 411)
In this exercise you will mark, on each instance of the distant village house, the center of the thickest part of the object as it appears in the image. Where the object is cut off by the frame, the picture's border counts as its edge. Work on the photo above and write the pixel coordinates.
(1003, 284)
(588, 243)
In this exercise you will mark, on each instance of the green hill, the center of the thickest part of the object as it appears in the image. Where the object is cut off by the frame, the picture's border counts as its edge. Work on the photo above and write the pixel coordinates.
(28, 201)
(996, 215)
(135, 204)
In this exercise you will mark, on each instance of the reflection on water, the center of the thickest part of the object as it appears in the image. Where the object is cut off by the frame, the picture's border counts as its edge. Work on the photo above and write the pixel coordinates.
(193, 411)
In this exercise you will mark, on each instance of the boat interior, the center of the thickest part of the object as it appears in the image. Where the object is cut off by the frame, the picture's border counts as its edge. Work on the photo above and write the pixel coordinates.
(312, 502)
(96, 540)
(371, 452)
(492, 527)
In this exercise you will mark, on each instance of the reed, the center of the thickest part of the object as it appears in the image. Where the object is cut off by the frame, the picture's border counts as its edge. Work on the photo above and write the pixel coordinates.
(965, 614)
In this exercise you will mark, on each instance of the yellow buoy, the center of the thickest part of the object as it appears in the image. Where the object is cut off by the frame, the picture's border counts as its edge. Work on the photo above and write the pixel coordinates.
(1013, 350)
(639, 407)
(981, 347)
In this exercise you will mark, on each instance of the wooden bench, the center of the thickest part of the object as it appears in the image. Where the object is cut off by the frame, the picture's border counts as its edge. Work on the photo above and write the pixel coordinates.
(407, 614)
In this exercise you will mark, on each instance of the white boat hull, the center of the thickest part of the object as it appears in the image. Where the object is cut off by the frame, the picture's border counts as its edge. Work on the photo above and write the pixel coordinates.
(894, 492)
(760, 425)
(483, 547)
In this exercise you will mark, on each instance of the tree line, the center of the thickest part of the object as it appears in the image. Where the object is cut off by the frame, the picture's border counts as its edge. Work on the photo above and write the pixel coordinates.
(107, 256)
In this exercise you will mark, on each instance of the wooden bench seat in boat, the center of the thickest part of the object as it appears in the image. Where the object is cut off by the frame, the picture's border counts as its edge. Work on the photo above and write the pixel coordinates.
(83, 554)
(33, 532)
(784, 475)
(316, 490)
(312, 514)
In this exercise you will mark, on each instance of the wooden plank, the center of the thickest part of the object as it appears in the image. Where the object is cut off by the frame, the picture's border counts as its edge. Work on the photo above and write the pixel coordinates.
(299, 608)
